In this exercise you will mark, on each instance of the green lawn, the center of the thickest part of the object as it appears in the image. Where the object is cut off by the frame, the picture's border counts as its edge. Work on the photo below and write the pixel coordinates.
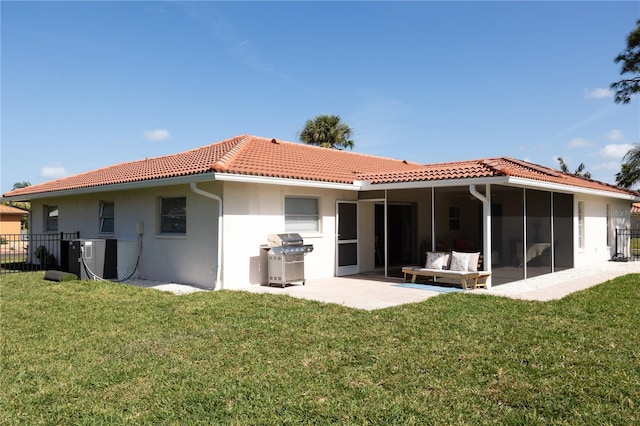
(103, 353)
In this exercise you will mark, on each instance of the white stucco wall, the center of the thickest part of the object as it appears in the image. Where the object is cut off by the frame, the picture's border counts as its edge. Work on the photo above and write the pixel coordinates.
(595, 247)
(253, 211)
(186, 259)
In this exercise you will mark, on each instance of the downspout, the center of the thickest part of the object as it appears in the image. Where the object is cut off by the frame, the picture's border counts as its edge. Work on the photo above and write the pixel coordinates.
(195, 189)
(486, 210)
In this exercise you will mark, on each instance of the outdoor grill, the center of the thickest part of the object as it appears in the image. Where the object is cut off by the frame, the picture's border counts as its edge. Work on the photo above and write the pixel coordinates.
(286, 259)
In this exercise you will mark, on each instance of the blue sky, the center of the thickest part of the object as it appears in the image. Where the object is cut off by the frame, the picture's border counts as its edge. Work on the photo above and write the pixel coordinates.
(91, 84)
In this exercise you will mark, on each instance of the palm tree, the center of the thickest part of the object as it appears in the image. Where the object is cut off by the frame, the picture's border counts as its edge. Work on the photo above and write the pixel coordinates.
(327, 131)
(19, 185)
(627, 176)
(629, 173)
(579, 171)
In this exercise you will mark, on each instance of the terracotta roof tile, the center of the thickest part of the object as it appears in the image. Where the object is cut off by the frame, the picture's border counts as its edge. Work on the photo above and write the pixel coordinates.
(4, 209)
(257, 156)
(501, 166)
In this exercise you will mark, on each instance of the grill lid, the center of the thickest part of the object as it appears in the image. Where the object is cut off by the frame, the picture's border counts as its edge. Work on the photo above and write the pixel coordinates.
(285, 240)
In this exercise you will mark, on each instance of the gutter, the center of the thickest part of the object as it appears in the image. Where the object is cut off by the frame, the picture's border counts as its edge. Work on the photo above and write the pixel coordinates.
(218, 284)
(113, 187)
(570, 189)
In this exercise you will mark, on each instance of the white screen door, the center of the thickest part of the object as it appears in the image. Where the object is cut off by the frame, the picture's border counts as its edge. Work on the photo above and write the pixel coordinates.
(347, 238)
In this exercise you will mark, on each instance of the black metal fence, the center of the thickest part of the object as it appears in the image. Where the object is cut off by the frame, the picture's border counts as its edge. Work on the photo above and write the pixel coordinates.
(627, 244)
(32, 252)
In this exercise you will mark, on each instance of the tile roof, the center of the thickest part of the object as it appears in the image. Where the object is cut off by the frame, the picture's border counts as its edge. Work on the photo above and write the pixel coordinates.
(258, 156)
(501, 166)
(4, 209)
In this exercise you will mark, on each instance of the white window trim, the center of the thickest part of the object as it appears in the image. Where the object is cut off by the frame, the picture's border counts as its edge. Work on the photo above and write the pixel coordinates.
(581, 225)
(309, 233)
(45, 225)
(162, 233)
(101, 217)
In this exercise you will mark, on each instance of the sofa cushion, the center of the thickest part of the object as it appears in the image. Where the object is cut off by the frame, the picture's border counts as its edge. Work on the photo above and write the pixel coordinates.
(473, 261)
(459, 261)
(436, 260)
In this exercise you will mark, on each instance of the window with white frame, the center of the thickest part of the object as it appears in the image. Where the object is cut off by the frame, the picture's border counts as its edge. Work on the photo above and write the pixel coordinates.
(173, 215)
(455, 218)
(581, 224)
(107, 217)
(301, 214)
(608, 215)
(51, 218)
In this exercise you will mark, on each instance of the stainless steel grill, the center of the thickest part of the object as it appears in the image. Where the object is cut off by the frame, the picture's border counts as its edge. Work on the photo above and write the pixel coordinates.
(286, 259)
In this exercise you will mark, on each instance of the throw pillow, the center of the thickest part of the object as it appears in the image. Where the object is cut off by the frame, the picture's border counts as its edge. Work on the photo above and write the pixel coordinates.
(435, 260)
(459, 261)
(473, 262)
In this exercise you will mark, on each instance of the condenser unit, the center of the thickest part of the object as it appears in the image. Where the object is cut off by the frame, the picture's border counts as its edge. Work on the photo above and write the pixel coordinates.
(93, 258)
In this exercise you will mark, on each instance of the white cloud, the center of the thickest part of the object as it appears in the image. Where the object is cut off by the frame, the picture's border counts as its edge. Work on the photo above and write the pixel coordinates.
(598, 93)
(157, 134)
(615, 135)
(53, 172)
(615, 151)
(579, 142)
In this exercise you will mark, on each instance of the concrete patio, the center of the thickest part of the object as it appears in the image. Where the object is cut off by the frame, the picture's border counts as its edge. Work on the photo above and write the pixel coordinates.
(372, 292)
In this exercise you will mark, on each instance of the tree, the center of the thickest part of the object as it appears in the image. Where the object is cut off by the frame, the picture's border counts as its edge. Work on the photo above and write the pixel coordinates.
(19, 185)
(327, 131)
(630, 59)
(21, 205)
(627, 176)
(579, 171)
(629, 173)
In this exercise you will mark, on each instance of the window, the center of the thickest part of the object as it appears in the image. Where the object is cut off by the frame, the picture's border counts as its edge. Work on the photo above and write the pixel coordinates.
(173, 215)
(581, 224)
(608, 215)
(51, 218)
(301, 214)
(107, 213)
(455, 218)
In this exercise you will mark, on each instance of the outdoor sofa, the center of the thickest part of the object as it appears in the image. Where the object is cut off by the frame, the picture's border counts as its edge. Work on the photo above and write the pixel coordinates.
(464, 268)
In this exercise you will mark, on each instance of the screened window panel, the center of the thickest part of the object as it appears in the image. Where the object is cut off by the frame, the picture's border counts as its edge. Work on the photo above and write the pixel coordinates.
(173, 215)
(301, 214)
(51, 218)
(107, 214)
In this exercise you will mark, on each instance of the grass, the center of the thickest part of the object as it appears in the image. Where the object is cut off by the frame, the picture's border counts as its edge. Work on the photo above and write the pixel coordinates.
(87, 352)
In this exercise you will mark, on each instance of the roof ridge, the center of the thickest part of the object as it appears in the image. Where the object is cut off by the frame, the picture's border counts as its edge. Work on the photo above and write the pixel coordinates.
(358, 154)
(542, 169)
(494, 165)
(223, 163)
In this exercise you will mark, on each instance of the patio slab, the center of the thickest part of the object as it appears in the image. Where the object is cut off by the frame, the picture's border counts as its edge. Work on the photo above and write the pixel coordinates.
(371, 292)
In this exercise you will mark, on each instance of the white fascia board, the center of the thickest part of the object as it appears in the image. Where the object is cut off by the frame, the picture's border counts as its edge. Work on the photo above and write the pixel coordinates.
(444, 183)
(230, 177)
(569, 189)
(180, 180)
(153, 183)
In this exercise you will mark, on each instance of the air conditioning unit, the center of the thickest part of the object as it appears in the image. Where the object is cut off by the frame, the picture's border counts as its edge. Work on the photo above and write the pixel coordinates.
(93, 258)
